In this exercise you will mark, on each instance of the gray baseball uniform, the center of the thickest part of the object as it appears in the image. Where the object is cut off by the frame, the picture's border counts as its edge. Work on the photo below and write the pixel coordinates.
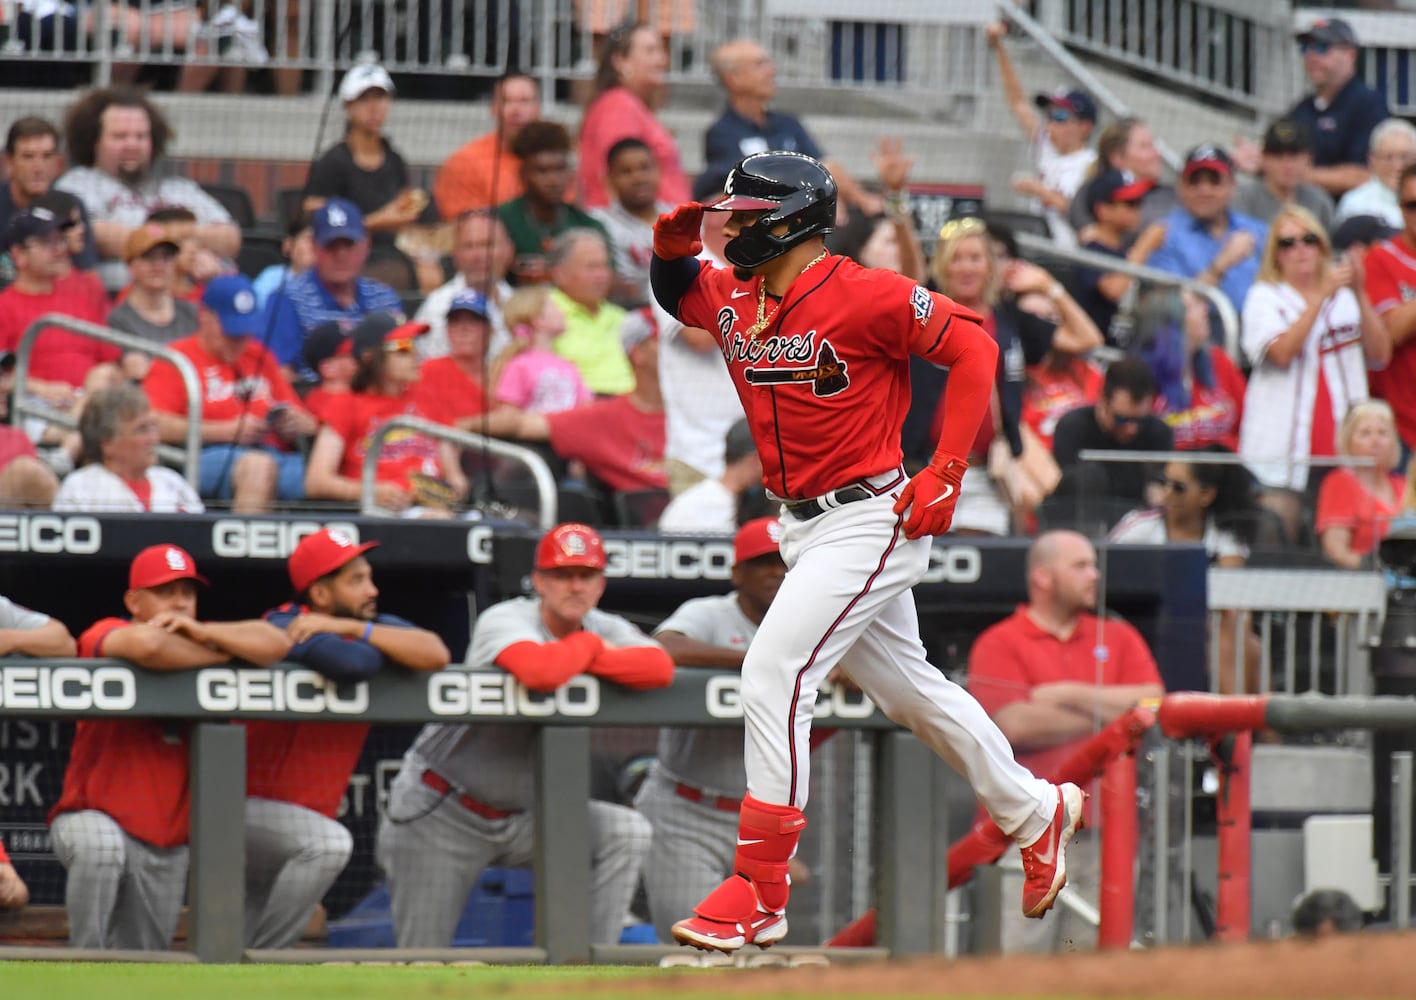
(293, 856)
(120, 892)
(17, 617)
(692, 792)
(433, 846)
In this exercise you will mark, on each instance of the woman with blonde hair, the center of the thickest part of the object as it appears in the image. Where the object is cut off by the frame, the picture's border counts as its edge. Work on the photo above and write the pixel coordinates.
(1356, 503)
(1310, 332)
(965, 267)
(528, 374)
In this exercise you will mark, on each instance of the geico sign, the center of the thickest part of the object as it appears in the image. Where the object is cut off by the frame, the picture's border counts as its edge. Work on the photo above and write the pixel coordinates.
(460, 693)
(69, 689)
(651, 559)
(221, 689)
(47, 533)
(479, 545)
(953, 564)
(724, 701)
(237, 539)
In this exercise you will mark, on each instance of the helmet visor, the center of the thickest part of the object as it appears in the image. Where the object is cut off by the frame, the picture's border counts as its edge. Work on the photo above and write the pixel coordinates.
(741, 203)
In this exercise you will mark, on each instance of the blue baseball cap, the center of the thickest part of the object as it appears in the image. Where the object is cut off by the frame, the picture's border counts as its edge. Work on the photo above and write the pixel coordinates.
(338, 219)
(232, 299)
(469, 301)
(1078, 102)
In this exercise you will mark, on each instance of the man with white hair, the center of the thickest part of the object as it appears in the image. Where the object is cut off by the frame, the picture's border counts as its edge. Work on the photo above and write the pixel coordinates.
(1393, 146)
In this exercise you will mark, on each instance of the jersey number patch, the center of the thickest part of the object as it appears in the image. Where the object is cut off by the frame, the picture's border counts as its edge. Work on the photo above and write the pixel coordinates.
(826, 376)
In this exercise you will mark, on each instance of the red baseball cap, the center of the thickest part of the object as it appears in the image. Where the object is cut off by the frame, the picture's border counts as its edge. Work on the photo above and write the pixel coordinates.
(159, 564)
(571, 544)
(757, 537)
(323, 552)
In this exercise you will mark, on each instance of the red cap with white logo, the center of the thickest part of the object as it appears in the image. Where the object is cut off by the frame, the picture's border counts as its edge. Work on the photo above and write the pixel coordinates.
(571, 544)
(159, 564)
(758, 537)
(323, 552)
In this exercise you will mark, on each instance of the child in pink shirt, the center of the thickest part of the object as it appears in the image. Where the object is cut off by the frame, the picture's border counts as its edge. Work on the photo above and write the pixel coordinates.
(529, 375)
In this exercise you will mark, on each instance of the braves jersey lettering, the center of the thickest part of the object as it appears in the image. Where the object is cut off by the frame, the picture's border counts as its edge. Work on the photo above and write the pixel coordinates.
(835, 358)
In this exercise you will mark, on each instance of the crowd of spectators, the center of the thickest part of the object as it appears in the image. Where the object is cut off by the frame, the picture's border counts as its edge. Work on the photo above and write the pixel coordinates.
(540, 326)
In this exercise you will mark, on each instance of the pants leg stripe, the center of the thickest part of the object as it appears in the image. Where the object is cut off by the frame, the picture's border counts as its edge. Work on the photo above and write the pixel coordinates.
(796, 689)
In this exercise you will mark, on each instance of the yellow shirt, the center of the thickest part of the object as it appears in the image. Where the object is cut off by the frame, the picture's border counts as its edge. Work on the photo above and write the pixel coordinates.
(592, 343)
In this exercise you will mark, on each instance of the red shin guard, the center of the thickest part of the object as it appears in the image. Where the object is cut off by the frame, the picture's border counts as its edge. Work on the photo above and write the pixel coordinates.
(767, 839)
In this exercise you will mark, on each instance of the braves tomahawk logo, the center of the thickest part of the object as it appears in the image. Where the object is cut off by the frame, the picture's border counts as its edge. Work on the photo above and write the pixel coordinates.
(826, 374)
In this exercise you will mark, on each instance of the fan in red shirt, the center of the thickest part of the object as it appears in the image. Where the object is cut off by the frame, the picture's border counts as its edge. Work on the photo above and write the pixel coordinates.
(620, 439)
(1356, 505)
(454, 384)
(46, 282)
(328, 351)
(1051, 675)
(1391, 285)
(1201, 397)
(121, 825)
(252, 419)
(411, 467)
(1060, 384)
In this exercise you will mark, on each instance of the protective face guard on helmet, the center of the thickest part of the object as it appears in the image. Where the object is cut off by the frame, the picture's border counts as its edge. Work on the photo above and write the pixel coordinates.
(757, 244)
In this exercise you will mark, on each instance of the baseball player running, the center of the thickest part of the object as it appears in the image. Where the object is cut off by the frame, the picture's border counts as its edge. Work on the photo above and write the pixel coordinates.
(818, 348)
(120, 827)
(296, 772)
(695, 786)
(461, 801)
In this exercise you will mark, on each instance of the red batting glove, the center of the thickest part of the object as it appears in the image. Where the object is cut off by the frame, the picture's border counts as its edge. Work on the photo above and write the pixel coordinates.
(678, 233)
(931, 496)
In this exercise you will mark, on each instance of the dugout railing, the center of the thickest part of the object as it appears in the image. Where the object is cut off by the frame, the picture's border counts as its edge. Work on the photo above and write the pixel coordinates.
(25, 406)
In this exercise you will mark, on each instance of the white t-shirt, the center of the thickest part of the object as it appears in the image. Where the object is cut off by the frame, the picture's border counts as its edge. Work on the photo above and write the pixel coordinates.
(1276, 432)
(433, 311)
(1064, 173)
(1147, 527)
(96, 488)
(1371, 198)
(700, 402)
(705, 508)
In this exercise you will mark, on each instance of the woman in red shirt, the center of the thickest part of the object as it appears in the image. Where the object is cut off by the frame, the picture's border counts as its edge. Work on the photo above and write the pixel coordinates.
(1355, 505)
(383, 388)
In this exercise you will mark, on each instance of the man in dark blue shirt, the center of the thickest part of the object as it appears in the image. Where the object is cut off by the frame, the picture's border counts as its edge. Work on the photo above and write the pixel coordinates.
(1341, 111)
(747, 126)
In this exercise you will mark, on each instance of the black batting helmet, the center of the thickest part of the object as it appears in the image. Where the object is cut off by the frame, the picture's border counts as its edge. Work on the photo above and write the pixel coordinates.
(790, 187)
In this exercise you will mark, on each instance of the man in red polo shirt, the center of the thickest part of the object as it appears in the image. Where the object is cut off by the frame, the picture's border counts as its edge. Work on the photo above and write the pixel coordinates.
(1052, 674)
(61, 360)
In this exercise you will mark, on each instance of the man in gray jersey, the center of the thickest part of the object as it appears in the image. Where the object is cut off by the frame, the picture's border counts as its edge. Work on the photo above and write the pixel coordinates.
(693, 790)
(462, 799)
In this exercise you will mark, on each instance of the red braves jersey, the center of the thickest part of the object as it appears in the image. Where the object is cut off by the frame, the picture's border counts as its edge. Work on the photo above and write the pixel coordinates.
(1391, 282)
(826, 385)
(136, 772)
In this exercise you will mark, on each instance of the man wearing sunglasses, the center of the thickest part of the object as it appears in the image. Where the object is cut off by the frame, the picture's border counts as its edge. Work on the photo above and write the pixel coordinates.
(1341, 111)
(1122, 420)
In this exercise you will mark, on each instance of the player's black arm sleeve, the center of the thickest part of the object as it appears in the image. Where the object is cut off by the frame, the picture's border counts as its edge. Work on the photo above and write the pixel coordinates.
(671, 280)
(337, 658)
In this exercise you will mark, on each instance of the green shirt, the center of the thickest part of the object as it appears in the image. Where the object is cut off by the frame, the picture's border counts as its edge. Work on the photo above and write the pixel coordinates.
(592, 343)
(533, 239)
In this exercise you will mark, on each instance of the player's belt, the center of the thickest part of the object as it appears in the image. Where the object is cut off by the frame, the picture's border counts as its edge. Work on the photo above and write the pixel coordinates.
(805, 510)
(722, 803)
(442, 786)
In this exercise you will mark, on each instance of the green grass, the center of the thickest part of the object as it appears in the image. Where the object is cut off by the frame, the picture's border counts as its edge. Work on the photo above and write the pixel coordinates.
(124, 981)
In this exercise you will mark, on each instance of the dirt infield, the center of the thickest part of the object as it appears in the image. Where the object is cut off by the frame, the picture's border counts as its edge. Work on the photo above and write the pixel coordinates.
(1361, 966)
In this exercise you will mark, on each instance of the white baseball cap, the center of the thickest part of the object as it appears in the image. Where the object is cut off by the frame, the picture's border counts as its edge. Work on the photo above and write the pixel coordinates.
(363, 78)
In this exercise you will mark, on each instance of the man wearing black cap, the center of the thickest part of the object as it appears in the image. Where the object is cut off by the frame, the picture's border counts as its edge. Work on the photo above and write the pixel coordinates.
(329, 353)
(1205, 239)
(1341, 110)
(1284, 166)
(1060, 126)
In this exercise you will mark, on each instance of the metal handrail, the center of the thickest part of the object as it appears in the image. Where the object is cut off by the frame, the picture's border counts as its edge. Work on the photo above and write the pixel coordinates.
(1078, 71)
(190, 459)
(540, 471)
(1228, 316)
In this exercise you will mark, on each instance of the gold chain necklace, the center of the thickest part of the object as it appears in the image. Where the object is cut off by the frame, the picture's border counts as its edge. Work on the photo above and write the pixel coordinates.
(763, 320)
